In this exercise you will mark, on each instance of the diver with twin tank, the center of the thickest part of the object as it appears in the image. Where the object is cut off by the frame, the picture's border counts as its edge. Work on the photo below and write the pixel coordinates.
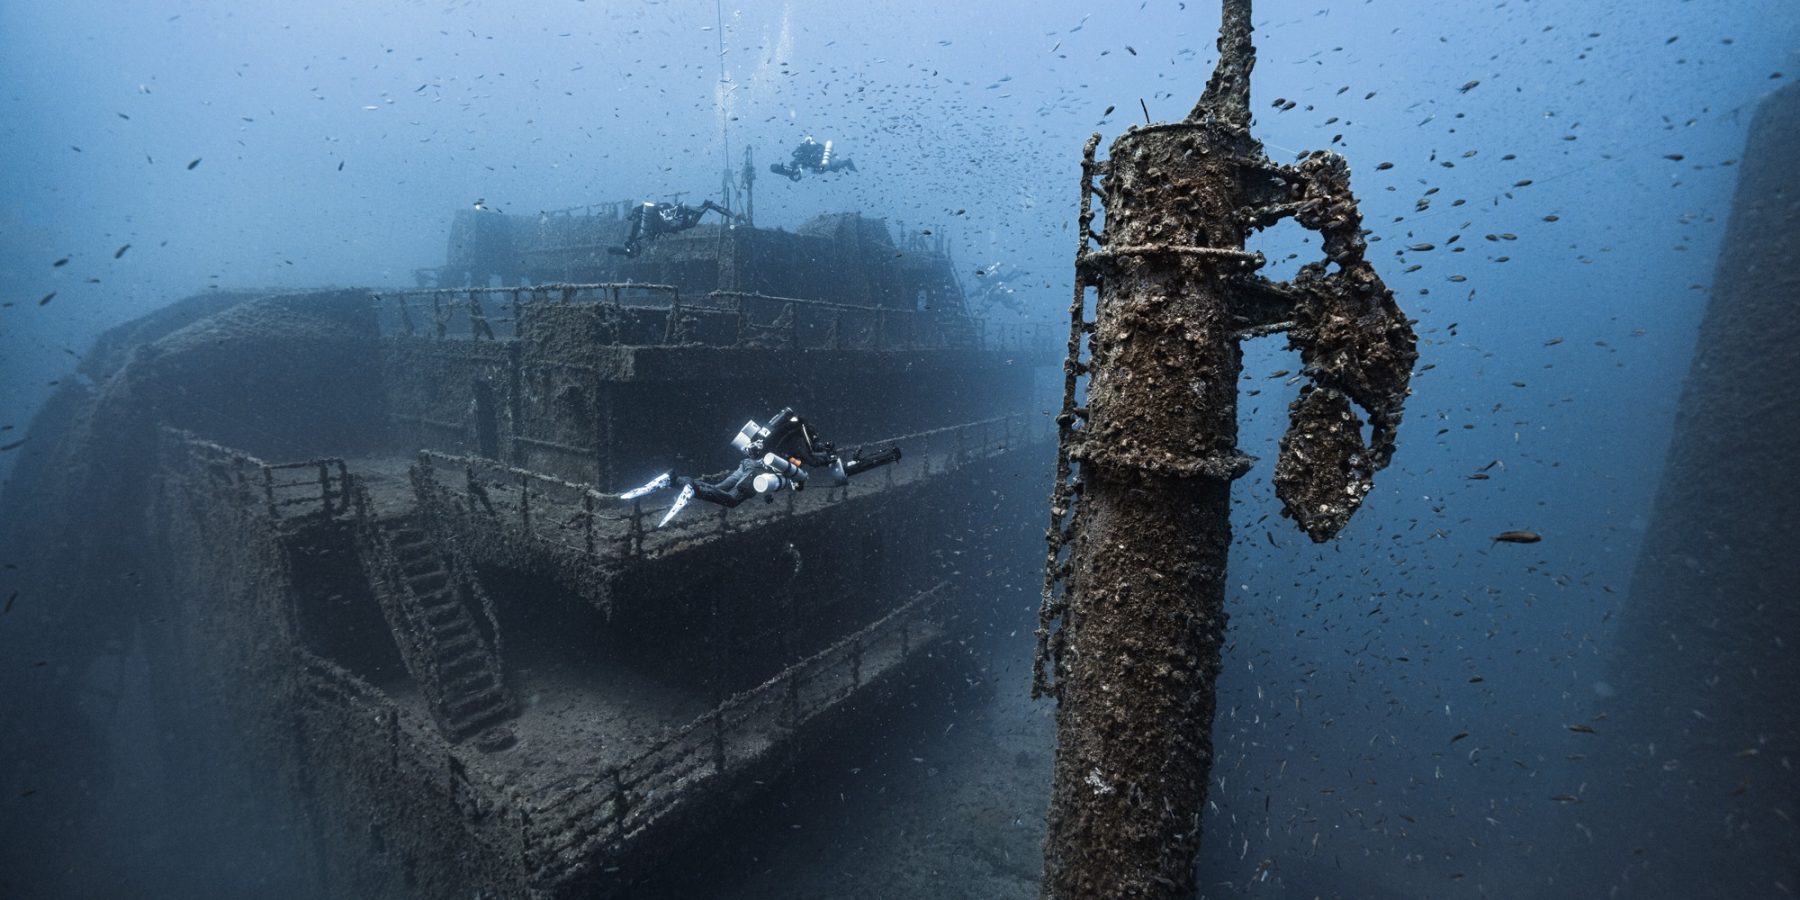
(776, 457)
(652, 220)
(812, 156)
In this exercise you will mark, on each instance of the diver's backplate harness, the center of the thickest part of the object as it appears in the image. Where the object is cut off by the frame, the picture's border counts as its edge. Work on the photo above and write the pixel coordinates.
(776, 457)
(812, 156)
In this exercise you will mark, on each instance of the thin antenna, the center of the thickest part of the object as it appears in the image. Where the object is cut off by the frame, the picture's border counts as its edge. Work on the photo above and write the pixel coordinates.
(724, 102)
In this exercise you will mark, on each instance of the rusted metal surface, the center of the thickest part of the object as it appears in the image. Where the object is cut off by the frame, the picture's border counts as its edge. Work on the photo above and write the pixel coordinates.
(1140, 524)
(653, 315)
(584, 536)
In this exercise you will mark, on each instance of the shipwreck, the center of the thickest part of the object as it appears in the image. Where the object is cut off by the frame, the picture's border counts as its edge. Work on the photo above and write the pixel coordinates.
(365, 545)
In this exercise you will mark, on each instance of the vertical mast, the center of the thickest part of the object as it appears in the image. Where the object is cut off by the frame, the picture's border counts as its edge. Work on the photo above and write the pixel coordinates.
(1140, 512)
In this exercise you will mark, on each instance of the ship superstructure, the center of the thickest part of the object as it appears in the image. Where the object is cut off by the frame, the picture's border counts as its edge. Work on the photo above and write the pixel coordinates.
(383, 542)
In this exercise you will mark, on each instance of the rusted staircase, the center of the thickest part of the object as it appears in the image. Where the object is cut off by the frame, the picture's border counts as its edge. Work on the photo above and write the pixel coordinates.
(427, 600)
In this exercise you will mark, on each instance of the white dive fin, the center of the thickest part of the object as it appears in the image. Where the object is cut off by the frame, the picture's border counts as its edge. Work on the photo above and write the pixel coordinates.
(656, 484)
(681, 500)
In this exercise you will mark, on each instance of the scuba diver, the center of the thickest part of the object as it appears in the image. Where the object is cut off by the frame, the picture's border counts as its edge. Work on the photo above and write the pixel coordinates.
(653, 220)
(776, 457)
(998, 288)
(812, 156)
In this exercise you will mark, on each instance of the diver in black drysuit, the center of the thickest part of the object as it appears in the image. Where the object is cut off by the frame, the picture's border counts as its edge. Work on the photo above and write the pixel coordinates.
(653, 220)
(776, 457)
(812, 156)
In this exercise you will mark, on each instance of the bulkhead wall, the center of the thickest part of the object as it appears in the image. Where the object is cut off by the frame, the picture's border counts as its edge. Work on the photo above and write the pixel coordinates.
(458, 396)
(285, 376)
(845, 258)
(612, 415)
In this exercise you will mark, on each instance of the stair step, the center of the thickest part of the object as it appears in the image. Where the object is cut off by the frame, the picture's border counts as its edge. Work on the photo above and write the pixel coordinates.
(431, 581)
(471, 661)
(434, 600)
(438, 609)
(460, 706)
(469, 684)
(421, 565)
(494, 704)
(468, 725)
(451, 648)
(453, 628)
(443, 614)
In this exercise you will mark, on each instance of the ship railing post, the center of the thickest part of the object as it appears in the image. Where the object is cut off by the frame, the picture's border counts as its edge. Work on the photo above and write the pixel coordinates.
(672, 326)
(406, 320)
(880, 337)
(337, 497)
(325, 486)
(269, 491)
(621, 800)
(525, 503)
(587, 521)
(618, 312)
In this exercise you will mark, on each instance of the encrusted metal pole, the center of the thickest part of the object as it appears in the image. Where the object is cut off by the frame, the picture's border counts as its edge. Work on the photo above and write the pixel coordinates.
(1140, 513)
(748, 177)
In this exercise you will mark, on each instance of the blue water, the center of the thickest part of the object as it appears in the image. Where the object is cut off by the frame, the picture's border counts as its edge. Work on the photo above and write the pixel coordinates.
(263, 146)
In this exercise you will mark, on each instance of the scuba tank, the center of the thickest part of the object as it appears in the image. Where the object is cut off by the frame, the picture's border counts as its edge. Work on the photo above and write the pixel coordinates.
(747, 435)
(785, 468)
(769, 483)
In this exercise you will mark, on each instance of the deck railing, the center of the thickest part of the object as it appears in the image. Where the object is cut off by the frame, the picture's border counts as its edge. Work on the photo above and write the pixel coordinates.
(568, 826)
(633, 314)
(584, 814)
(290, 490)
(584, 520)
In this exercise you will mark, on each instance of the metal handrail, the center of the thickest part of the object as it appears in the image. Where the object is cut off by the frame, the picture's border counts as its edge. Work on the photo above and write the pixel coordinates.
(592, 522)
(435, 311)
(602, 802)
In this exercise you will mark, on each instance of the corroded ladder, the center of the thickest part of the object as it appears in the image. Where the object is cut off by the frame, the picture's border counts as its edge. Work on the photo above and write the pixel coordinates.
(426, 597)
(1140, 510)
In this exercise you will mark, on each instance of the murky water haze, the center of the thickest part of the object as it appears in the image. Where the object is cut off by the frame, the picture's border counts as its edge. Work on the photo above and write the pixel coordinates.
(1547, 186)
